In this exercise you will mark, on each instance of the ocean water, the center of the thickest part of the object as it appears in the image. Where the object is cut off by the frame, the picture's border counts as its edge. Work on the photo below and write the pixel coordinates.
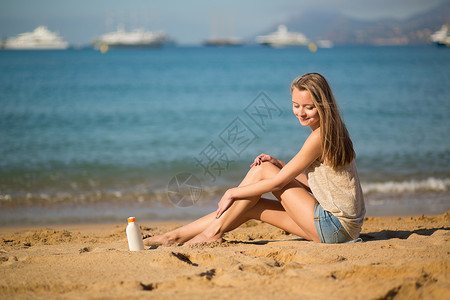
(160, 134)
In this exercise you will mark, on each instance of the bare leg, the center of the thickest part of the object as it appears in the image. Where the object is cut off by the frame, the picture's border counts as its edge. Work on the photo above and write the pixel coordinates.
(272, 212)
(233, 217)
(293, 213)
(296, 210)
(189, 231)
(182, 234)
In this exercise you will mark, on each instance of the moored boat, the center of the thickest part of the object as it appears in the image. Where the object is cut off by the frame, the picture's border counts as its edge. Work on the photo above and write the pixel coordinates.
(132, 39)
(441, 37)
(223, 42)
(283, 38)
(39, 39)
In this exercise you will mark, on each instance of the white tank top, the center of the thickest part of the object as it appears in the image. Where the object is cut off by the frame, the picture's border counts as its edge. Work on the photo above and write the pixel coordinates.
(339, 192)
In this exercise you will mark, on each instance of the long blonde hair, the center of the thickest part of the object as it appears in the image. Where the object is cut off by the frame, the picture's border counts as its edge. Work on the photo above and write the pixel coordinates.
(337, 147)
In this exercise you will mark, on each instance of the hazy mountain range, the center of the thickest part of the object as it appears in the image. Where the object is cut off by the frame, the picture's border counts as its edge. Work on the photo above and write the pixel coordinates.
(344, 30)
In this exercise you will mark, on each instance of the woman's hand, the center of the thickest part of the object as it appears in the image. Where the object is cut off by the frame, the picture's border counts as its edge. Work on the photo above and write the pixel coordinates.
(224, 203)
(262, 158)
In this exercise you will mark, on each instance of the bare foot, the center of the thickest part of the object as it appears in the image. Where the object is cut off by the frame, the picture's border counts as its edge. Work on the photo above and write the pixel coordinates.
(202, 238)
(158, 240)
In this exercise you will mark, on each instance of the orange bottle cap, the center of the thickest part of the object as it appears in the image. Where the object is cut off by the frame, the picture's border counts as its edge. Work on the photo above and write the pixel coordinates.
(131, 219)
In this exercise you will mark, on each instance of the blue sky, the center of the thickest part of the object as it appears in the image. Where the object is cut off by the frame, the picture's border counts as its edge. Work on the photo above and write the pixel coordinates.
(188, 22)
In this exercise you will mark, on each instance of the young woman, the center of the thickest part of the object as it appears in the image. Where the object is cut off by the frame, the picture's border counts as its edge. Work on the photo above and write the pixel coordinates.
(318, 191)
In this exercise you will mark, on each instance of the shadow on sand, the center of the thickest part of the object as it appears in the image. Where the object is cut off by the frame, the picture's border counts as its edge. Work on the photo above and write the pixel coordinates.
(398, 234)
(366, 237)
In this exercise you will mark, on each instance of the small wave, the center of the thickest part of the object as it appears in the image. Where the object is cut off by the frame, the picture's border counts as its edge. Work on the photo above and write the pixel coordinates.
(156, 195)
(410, 186)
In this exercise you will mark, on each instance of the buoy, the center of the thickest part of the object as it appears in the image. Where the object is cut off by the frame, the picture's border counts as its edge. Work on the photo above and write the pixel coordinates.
(312, 47)
(104, 48)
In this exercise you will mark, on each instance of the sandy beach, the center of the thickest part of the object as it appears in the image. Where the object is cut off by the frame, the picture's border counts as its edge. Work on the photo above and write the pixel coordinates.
(404, 257)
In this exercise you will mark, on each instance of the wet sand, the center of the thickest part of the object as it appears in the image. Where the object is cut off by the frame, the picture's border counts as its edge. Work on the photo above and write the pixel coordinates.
(404, 257)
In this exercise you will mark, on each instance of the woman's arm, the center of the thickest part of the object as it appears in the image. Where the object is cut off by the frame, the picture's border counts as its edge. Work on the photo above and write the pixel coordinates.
(265, 157)
(310, 151)
(301, 178)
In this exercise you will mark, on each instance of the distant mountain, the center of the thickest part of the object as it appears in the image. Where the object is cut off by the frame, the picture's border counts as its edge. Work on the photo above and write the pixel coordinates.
(342, 30)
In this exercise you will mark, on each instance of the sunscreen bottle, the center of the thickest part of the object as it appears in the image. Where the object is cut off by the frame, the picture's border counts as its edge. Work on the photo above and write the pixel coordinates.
(135, 242)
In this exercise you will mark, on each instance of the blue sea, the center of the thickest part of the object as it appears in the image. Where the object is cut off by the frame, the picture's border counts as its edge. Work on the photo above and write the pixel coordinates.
(160, 134)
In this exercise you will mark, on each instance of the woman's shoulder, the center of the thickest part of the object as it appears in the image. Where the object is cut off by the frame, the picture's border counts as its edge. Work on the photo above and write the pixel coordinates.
(313, 143)
(314, 136)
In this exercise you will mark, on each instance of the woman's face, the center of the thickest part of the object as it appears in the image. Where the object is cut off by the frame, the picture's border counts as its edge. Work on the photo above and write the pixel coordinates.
(305, 109)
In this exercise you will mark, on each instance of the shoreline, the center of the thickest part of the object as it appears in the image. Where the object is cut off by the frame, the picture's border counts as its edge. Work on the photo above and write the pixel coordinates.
(91, 227)
(402, 256)
(114, 213)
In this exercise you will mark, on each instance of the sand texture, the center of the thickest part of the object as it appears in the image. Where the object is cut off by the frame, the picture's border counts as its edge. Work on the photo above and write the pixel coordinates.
(400, 258)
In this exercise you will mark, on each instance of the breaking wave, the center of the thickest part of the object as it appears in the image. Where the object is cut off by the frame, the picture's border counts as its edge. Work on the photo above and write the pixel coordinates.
(409, 186)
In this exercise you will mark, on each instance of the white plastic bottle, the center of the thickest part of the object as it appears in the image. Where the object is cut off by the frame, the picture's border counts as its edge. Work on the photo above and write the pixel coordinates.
(135, 242)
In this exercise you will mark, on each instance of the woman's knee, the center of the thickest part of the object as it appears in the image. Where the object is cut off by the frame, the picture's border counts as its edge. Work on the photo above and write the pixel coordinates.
(263, 171)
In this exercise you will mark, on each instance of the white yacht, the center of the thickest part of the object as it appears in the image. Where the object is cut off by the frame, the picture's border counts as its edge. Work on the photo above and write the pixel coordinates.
(223, 42)
(40, 38)
(136, 38)
(283, 38)
(441, 37)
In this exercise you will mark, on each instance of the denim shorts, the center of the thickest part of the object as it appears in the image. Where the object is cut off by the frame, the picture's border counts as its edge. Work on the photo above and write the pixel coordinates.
(329, 227)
